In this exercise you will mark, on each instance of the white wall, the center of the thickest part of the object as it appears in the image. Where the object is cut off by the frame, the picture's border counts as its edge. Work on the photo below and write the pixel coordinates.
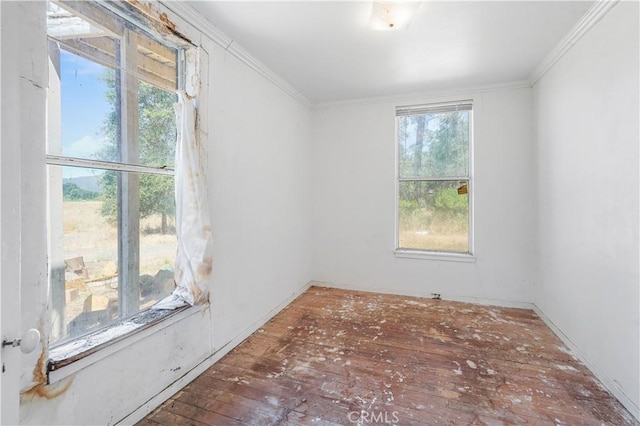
(257, 154)
(353, 163)
(259, 176)
(296, 196)
(587, 113)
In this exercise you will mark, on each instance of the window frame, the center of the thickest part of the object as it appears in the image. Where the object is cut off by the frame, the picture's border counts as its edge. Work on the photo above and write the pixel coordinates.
(435, 107)
(145, 322)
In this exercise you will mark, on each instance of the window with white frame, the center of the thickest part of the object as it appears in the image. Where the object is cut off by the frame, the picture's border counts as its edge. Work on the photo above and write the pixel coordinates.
(110, 159)
(434, 177)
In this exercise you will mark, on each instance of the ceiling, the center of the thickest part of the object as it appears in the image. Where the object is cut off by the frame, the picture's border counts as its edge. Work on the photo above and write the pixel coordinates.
(325, 50)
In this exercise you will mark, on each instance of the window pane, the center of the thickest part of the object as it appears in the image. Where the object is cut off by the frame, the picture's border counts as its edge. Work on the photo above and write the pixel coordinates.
(86, 271)
(84, 108)
(434, 216)
(89, 116)
(434, 144)
(116, 92)
(156, 126)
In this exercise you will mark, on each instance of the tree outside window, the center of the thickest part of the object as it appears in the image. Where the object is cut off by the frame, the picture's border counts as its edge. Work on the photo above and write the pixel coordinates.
(433, 145)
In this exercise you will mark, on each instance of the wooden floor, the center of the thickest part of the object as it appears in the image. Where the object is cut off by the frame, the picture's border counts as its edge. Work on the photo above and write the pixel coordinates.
(343, 357)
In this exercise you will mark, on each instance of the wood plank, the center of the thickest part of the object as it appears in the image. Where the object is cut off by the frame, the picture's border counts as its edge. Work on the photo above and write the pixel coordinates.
(197, 414)
(158, 50)
(165, 415)
(164, 70)
(78, 47)
(96, 16)
(147, 422)
(155, 62)
(351, 380)
(333, 353)
(102, 51)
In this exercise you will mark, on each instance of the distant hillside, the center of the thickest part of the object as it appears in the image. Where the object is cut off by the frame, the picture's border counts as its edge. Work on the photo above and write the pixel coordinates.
(88, 183)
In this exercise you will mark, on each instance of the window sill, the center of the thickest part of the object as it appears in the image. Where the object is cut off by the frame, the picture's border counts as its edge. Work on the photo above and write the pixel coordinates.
(432, 255)
(71, 357)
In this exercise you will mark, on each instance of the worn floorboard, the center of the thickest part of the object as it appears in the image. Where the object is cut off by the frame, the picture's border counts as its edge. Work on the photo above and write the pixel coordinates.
(336, 357)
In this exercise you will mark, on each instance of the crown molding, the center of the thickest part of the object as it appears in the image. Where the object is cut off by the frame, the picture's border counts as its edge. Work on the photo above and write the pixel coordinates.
(599, 9)
(199, 22)
(181, 8)
(420, 96)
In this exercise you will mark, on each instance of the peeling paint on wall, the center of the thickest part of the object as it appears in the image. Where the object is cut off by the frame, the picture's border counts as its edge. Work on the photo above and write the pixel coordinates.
(159, 21)
(42, 389)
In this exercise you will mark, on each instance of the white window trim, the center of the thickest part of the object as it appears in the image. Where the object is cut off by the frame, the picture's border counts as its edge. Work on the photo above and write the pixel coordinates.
(107, 341)
(435, 255)
(121, 334)
(58, 160)
(469, 257)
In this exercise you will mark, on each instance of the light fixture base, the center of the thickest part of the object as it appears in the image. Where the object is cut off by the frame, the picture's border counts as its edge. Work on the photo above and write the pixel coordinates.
(392, 15)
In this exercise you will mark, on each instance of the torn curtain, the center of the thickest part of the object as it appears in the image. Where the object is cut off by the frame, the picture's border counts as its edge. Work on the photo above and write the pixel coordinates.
(194, 257)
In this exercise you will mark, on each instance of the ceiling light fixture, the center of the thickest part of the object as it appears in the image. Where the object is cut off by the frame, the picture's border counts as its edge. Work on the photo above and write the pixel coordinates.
(392, 15)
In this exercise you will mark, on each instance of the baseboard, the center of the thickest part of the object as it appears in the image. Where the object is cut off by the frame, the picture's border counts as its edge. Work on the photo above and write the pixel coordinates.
(428, 295)
(157, 400)
(166, 393)
(490, 302)
(608, 383)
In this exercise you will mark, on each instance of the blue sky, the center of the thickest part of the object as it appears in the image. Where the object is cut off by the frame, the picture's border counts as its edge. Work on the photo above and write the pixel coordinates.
(84, 108)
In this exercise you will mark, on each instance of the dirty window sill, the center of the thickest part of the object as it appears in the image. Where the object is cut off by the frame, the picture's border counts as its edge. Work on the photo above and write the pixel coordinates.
(70, 357)
(432, 255)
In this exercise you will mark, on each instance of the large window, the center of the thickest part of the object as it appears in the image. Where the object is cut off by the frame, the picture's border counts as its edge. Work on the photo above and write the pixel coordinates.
(434, 178)
(110, 158)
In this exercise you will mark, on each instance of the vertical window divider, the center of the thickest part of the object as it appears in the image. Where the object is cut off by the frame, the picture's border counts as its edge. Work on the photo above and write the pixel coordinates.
(128, 183)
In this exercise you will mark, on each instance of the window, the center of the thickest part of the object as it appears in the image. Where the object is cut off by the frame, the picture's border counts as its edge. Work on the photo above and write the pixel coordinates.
(110, 158)
(434, 178)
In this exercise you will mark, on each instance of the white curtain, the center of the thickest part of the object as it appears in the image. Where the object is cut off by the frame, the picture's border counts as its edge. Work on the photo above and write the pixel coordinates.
(194, 258)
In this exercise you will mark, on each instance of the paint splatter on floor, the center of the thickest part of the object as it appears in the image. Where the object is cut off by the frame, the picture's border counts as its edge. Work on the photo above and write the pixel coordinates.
(333, 353)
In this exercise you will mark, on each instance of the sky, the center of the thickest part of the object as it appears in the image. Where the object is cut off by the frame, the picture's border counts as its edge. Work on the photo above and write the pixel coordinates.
(84, 108)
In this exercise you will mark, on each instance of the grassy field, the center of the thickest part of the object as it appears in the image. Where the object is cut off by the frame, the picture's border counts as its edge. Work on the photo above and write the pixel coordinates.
(88, 234)
(424, 229)
(419, 239)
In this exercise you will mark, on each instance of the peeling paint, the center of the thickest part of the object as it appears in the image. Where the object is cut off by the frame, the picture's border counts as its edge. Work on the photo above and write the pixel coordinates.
(49, 391)
(42, 389)
(158, 20)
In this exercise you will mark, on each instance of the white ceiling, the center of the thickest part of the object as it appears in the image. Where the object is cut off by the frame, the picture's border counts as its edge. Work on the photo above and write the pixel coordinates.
(326, 51)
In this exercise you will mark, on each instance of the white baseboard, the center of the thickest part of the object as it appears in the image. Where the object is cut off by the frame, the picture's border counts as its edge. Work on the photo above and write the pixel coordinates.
(166, 393)
(606, 381)
(428, 295)
(489, 302)
(200, 368)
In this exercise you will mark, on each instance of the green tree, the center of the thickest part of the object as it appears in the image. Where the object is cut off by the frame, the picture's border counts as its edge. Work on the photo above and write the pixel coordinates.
(448, 153)
(156, 138)
(433, 145)
(72, 192)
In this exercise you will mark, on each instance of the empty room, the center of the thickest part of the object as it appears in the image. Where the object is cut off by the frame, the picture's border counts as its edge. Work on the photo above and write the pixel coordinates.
(320, 212)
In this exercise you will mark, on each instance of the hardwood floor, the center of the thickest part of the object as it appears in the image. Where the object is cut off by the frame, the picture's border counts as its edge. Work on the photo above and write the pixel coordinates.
(344, 357)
